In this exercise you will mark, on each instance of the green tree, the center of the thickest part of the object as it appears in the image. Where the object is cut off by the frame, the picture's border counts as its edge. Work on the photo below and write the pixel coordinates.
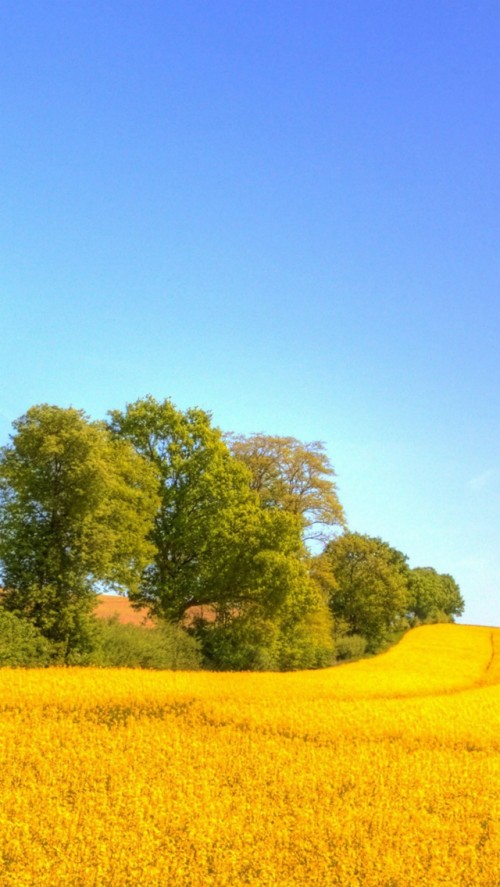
(435, 597)
(21, 644)
(296, 635)
(214, 543)
(75, 509)
(368, 585)
(293, 476)
(306, 631)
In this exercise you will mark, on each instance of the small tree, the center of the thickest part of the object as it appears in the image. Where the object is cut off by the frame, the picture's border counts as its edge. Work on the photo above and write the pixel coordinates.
(295, 632)
(306, 638)
(435, 597)
(369, 587)
(75, 510)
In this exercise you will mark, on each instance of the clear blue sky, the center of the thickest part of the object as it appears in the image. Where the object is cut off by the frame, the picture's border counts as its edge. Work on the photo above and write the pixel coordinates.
(284, 212)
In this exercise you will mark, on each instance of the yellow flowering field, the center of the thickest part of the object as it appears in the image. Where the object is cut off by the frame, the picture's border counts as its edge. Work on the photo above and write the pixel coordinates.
(382, 772)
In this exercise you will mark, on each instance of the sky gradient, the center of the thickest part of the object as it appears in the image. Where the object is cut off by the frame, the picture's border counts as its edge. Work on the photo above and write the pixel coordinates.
(284, 212)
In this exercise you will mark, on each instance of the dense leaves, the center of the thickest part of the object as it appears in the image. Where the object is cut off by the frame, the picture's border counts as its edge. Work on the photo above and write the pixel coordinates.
(213, 534)
(21, 644)
(131, 646)
(294, 476)
(75, 508)
(371, 578)
(435, 597)
(214, 543)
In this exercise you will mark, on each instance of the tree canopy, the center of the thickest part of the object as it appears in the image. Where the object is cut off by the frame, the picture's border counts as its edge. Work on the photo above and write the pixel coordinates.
(212, 532)
(368, 585)
(434, 596)
(75, 510)
(214, 543)
(293, 476)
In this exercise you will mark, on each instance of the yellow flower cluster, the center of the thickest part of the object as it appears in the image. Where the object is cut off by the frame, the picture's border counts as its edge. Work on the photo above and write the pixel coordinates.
(382, 773)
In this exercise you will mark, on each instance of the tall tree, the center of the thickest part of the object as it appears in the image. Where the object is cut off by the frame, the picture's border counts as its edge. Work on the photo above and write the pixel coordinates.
(75, 509)
(369, 585)
(214, 543)
(293, 476)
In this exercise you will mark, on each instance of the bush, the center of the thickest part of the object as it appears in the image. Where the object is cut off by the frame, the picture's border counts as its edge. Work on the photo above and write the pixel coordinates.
(251, 642)
(243, 644)
(307, 643)
(351, 646)
(436, 616)
(21, 644)
(131, 646)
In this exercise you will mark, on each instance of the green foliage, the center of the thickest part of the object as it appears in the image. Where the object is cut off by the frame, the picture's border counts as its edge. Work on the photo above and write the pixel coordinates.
(21, 644)
(351, 646)
(297, 635)
(133, 646)
(214, 543)
(435, 597)
(306, 642)
(157, 504)
(241, 643)
(371, 592)
(294, 476)
(75, 508)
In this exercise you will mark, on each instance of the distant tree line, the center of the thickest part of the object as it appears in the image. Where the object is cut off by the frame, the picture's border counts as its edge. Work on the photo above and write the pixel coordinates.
(211, 532)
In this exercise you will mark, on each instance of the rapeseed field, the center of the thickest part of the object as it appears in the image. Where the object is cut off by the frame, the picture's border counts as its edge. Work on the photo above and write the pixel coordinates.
(383, 772)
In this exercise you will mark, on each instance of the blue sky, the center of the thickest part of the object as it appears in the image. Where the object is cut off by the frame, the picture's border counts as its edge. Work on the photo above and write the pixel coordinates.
(284, 212)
